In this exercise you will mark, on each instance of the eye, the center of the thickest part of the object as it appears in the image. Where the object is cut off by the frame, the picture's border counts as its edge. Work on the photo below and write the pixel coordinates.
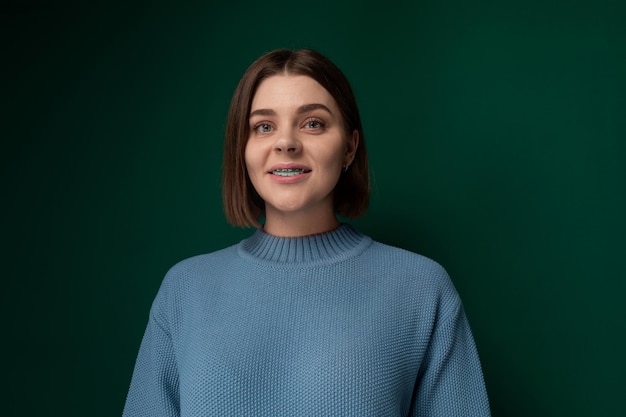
(263, 127)
(313, 124)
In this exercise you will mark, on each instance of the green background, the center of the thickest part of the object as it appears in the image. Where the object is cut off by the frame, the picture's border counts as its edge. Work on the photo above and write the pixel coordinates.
(497, 138)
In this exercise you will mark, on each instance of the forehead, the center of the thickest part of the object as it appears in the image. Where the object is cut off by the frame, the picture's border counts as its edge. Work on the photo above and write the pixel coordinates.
(284, 91)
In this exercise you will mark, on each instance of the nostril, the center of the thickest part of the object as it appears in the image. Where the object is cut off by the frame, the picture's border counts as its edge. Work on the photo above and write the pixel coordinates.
(287, 149)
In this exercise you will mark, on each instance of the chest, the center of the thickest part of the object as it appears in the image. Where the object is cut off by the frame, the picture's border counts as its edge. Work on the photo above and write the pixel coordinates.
(303, 351)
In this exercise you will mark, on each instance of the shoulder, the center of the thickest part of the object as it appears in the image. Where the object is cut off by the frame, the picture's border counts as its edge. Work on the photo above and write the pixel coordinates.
(192, 273)
(414, 274)
(188, 281)
(202, 263)
(398, 260)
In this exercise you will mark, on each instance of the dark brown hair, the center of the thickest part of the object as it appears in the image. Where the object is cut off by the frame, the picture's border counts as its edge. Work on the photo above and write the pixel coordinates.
(242, 204)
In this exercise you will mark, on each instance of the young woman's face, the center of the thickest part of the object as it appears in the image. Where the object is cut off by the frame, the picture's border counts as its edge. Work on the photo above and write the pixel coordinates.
(297, 146)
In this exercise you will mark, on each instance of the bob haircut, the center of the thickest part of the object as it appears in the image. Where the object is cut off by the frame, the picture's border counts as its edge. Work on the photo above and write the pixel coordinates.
(242, 204)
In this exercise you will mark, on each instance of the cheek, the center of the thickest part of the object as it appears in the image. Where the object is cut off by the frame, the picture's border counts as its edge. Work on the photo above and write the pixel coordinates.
(335, 158)
(250, 158)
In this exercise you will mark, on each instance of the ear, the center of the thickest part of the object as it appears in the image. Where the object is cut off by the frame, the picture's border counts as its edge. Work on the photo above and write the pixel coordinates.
(351, 147)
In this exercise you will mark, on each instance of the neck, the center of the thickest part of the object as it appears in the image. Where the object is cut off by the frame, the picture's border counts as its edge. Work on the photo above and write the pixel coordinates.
(298, 224)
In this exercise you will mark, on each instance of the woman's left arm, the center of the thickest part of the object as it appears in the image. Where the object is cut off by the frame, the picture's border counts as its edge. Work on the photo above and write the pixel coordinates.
(450, 382)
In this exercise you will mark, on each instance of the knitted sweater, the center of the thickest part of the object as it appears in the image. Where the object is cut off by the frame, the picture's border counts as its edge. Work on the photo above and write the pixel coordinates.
(333, 324)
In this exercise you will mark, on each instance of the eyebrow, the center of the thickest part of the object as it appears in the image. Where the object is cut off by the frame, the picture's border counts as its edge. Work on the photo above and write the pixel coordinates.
(302, 109)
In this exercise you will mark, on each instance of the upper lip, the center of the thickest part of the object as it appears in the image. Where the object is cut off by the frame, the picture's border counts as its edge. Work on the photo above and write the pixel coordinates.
(289, 166)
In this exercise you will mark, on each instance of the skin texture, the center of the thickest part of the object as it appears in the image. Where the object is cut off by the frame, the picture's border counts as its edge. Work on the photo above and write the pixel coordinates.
(295, 123)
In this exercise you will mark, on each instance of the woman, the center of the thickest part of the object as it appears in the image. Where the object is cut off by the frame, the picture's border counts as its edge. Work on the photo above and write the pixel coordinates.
(307, 317)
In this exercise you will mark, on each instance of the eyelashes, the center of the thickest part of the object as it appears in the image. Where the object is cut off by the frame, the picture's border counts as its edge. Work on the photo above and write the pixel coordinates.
(314, 123)
(262, 127)
(311, 124)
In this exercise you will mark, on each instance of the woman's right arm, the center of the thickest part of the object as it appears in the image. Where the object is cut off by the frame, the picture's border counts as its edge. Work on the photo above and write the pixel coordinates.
(154, 386)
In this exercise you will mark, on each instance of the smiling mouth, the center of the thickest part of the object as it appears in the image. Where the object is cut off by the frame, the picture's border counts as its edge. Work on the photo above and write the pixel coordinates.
(289, 172)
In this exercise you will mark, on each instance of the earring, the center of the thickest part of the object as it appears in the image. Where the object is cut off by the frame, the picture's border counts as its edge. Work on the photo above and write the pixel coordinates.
(345, 169)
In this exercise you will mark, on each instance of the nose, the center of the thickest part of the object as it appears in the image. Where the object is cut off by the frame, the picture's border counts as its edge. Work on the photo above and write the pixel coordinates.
(287, 143)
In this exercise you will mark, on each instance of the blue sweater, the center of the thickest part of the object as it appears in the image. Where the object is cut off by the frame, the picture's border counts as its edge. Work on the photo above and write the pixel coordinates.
(326, 325)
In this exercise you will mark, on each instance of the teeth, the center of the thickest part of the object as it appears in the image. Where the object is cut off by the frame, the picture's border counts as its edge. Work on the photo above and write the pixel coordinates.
(288, 172)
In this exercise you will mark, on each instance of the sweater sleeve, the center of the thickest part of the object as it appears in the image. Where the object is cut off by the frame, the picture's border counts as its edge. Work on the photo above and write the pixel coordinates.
(450, 382)
(154, 386)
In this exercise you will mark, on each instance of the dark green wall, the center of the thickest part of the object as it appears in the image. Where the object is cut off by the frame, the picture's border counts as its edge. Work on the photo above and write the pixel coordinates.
(497, 136)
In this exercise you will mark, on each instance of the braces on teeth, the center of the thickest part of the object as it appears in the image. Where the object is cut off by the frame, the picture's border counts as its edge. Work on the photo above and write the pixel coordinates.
(288, 172)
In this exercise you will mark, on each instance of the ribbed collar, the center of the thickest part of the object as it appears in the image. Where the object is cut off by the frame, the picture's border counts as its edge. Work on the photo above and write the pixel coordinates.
(339, 244)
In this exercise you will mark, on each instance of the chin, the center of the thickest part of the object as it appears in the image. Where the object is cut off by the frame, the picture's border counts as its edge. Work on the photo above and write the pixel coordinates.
(288, 208)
